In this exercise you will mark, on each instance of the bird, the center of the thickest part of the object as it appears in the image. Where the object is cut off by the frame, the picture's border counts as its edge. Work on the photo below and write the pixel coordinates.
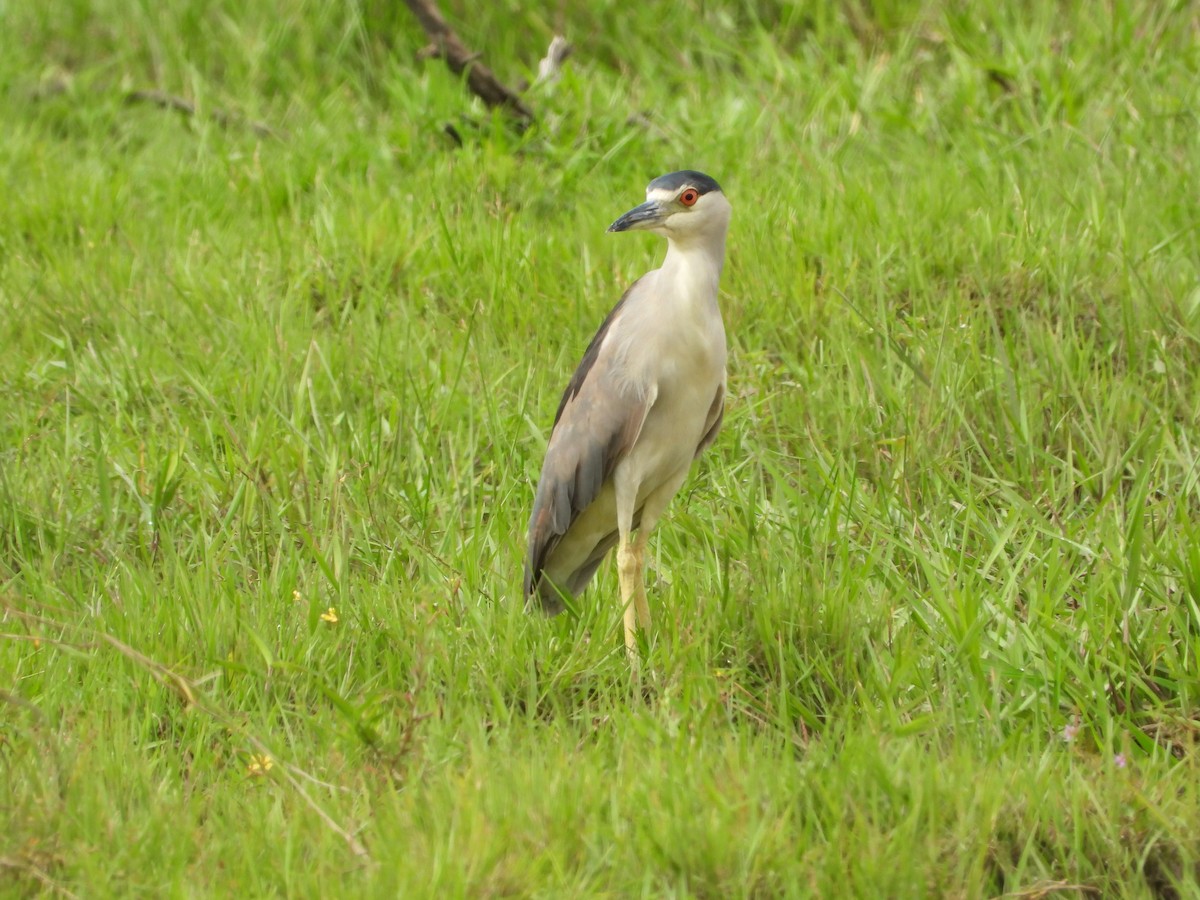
(646, 400)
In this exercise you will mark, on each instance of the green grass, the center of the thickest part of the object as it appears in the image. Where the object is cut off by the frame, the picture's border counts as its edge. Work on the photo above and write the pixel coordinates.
(952, 520)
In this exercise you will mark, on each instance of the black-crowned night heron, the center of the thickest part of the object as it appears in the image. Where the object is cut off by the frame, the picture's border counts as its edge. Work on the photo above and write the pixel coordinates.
(646, 400)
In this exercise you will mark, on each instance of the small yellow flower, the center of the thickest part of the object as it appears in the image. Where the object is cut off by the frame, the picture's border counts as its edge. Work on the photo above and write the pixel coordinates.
(330, 616)
(260, 764)
(296, 597)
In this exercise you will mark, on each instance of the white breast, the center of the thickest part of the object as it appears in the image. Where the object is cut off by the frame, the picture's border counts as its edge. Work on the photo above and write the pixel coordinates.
(680, 339)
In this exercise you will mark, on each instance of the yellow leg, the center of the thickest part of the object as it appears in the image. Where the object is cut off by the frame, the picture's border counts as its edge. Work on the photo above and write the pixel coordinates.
(639, 591)
(631, 550)
(629, 573)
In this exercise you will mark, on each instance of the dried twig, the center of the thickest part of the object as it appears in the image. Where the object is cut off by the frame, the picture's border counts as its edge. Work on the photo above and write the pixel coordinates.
(480, 80)
(21, 703)
(222, 117)
(1045, 888)
(23, 865)
(190, 693)
(163, 675)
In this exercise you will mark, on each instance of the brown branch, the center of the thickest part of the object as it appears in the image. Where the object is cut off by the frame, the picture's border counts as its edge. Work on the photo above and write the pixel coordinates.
(480, 80)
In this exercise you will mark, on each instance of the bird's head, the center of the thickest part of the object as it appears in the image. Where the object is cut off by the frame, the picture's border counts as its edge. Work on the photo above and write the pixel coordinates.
(681, 206)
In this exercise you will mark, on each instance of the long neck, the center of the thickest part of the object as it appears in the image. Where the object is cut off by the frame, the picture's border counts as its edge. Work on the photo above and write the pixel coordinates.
(696, 264)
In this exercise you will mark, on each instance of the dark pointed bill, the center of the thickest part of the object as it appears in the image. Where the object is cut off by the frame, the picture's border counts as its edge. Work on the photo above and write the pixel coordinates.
(640, 216)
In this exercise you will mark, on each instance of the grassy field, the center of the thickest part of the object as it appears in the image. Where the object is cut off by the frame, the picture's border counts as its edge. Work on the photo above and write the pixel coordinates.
(274, 399)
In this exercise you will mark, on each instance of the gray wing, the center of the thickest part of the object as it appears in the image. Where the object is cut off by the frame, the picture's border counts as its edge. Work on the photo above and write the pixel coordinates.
(596, 425)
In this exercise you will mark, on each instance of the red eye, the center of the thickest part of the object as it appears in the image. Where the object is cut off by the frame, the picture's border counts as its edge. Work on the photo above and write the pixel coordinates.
(689, 197)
